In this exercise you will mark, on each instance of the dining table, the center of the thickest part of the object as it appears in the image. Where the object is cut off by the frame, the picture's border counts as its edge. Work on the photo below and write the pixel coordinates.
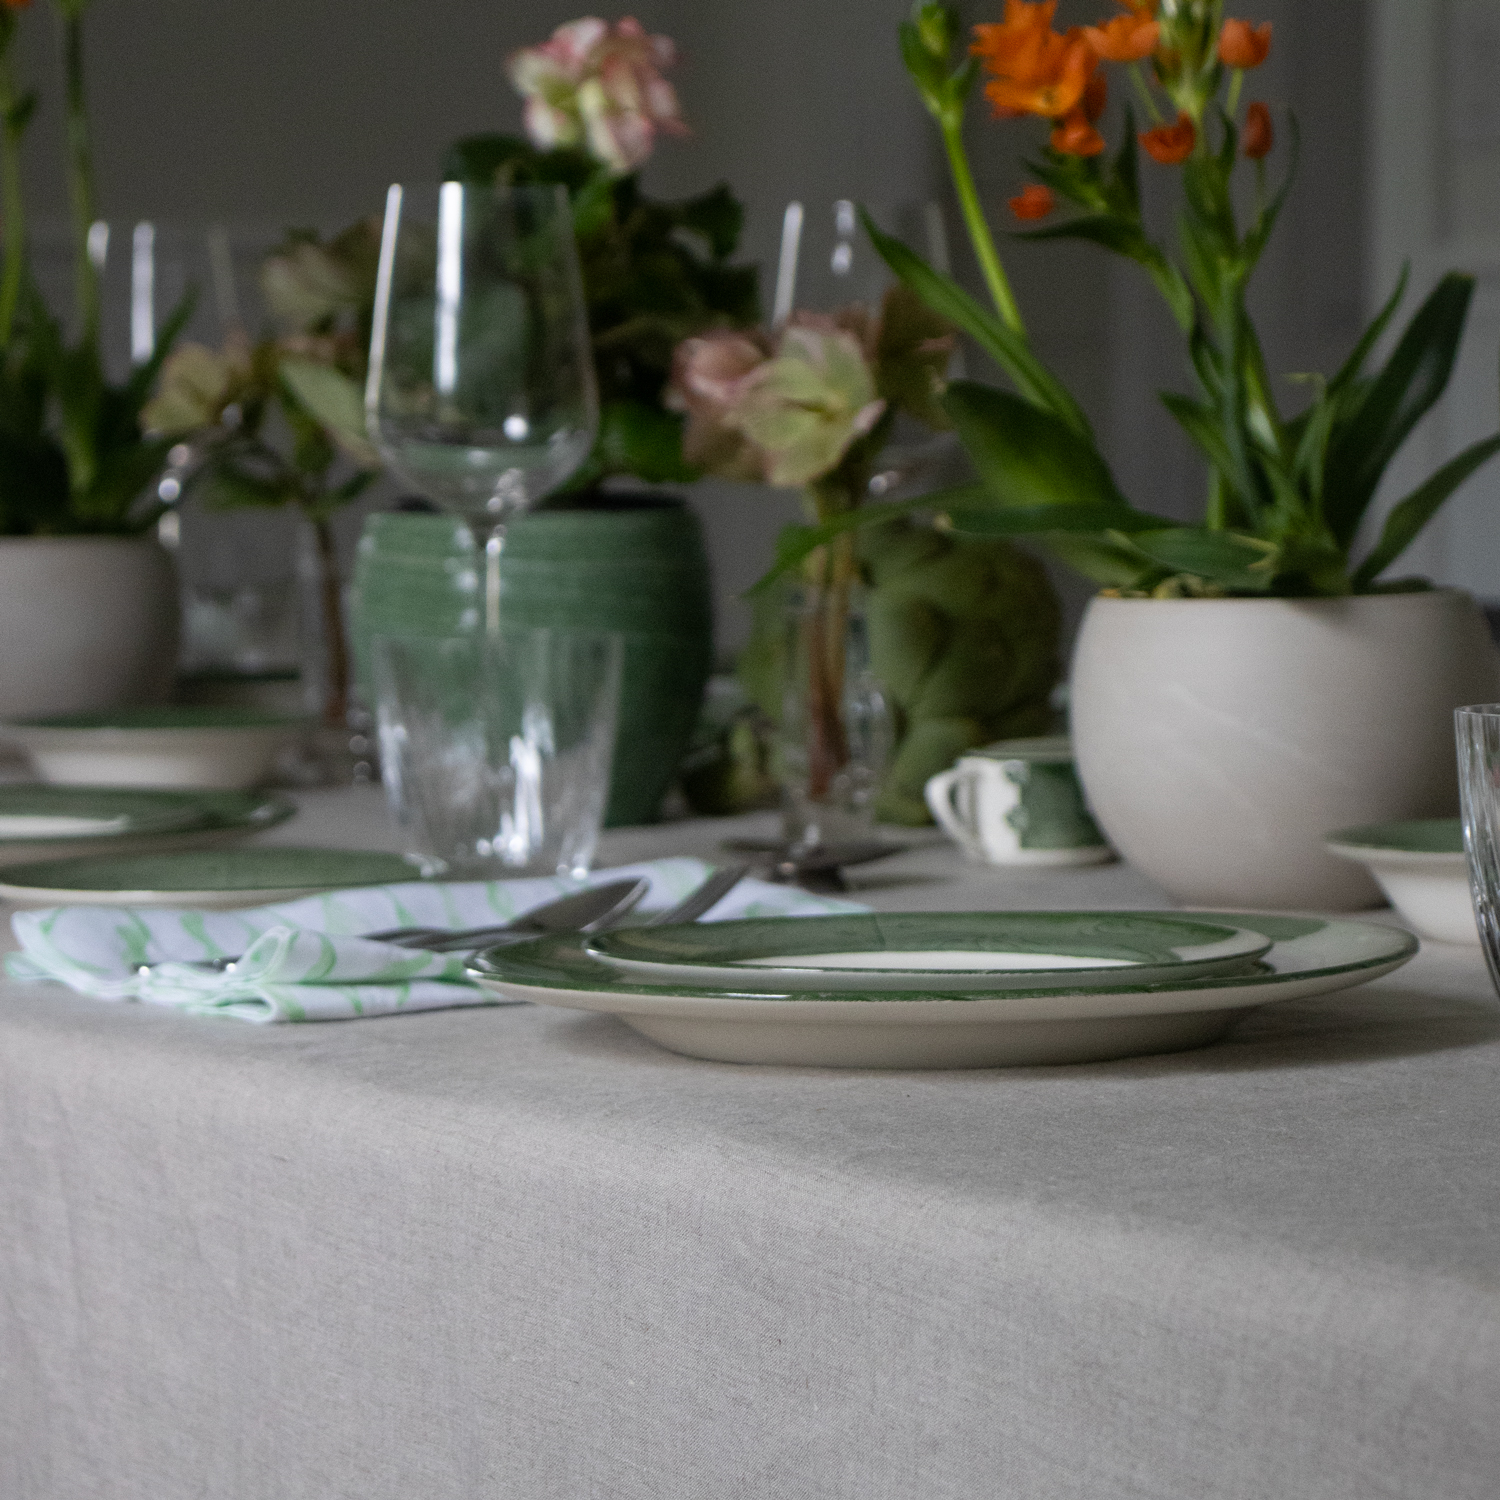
(518, 1251)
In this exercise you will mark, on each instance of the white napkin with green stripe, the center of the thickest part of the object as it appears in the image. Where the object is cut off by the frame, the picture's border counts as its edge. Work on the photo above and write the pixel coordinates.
(304, 960)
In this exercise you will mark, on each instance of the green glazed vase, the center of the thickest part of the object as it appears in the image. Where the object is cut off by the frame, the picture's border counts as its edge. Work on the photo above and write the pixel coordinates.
(632, 563)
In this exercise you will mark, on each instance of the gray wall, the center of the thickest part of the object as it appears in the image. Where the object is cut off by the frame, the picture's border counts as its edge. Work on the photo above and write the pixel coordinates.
(287, 111)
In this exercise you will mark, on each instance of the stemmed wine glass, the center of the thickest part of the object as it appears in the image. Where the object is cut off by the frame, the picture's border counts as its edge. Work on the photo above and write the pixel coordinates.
(481, 389)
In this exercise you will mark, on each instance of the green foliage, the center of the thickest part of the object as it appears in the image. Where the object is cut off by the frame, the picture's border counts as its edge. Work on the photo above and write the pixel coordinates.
(74, 458)
(654, 274)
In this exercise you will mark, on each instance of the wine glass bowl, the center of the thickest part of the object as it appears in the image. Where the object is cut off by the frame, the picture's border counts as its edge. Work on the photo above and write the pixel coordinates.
(481, 389)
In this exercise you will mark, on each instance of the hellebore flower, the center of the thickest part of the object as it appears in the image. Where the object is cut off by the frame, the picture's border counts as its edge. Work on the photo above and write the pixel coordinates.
(599, 86)
(1244, 46)
(1035, 70)
(197, 383)
(804, 407)
(709, 375)
(1171, 144)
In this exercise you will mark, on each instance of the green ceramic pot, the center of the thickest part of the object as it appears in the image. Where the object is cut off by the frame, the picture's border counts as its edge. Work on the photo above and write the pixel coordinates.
(633, 563)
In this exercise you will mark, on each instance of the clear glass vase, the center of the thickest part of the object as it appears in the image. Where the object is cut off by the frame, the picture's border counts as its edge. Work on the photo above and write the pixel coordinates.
(835, 731)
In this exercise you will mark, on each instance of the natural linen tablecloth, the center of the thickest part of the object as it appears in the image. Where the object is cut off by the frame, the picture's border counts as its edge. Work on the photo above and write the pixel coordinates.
(305, 961)
(525, 1254)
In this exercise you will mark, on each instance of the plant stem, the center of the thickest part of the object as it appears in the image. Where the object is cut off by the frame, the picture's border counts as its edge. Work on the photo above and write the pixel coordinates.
(335, 645)
(11, 197)
(80, 179)
(979, 231)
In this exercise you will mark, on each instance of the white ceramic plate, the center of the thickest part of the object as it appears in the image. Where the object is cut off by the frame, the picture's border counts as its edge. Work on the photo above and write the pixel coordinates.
(892, 1029)
(950, 951)
(1421, 867)
(168, 747)
(45, 822)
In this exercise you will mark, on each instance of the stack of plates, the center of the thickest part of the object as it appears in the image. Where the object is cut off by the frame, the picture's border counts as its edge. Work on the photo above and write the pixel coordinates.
(49, 822)
(954, 990)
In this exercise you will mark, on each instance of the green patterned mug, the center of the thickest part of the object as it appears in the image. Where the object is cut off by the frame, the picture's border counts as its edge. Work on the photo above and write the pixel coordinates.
(1018, 803)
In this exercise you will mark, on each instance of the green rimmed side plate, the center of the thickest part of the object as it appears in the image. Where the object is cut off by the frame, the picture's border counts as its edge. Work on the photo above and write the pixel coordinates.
(894, 1029)
(210, 879)
(982, 951)
(44, 822)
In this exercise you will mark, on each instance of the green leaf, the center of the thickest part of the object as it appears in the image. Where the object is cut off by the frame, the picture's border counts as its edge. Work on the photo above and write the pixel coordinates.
(335, 402)
(643, 440)
(1229, 558)
(1201, 423)
(1351, 368)
(795, 543)
(1410, 515)
(1025, 455)
(1413, 379)
(1007, 348)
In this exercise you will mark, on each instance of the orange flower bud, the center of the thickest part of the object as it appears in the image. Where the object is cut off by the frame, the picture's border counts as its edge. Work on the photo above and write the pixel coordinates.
(1033, 202)
(1258, 137)
(1096, 96)
(1124, 39)
(1170, 144)
(1076, 136)
(1244, 46)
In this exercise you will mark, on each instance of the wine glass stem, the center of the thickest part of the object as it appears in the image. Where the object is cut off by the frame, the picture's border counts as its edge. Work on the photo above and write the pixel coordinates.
(489, 538)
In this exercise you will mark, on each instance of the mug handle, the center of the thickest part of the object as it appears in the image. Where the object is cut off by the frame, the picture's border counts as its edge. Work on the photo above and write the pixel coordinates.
(939, 795)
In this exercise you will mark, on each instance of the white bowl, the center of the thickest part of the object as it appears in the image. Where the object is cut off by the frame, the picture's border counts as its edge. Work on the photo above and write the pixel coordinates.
(1421, 867)
(198, 748)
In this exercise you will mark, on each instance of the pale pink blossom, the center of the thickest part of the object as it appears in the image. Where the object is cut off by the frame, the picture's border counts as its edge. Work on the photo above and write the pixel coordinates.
(709, 380)
(599, 86)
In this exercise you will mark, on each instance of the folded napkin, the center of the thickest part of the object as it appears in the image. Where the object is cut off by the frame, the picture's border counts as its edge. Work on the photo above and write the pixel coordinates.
(304, 961)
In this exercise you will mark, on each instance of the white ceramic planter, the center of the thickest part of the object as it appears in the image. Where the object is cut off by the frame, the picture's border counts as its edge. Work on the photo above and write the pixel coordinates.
(1219, 740)
(86, 623)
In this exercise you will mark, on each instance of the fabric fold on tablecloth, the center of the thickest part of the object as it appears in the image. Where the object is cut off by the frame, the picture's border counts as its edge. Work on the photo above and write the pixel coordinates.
(305, 961)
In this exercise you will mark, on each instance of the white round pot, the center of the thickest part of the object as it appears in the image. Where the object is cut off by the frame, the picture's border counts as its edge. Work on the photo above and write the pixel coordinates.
(1220, 740)
(86, 623)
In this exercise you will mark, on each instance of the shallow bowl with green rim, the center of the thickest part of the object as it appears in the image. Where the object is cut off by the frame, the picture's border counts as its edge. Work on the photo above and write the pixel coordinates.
(39, 821)
(951, 951)
(1421, 868)
(167, 746)
(945, 1029)
(211, 879)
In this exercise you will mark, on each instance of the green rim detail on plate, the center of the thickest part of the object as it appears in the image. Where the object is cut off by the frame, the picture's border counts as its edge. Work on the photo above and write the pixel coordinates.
(214, 870)
(561, 964)
(1114, 937)
(139, 812)
(167, 716)
(1412, 836)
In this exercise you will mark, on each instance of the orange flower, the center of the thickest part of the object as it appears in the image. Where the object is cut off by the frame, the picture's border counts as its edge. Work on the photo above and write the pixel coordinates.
(1258, 136)
(1170, 144)
(1034, 202)
(1076, 136)
(1096, 96)
(1125, 39)
(1036, 70)
(17, 4)
(1244, 46)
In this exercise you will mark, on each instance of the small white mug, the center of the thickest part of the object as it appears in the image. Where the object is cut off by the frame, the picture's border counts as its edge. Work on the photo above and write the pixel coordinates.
(1018, 803)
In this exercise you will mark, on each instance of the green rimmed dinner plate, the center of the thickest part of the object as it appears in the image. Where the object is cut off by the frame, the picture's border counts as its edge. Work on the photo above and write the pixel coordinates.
(951, 951)
(1420, 866)
(41, 821)
(204, 878)
(923, 1029)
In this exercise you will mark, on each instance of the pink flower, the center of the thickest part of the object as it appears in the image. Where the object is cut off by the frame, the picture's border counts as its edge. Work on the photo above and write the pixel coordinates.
(710, 375)
(599, 86)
